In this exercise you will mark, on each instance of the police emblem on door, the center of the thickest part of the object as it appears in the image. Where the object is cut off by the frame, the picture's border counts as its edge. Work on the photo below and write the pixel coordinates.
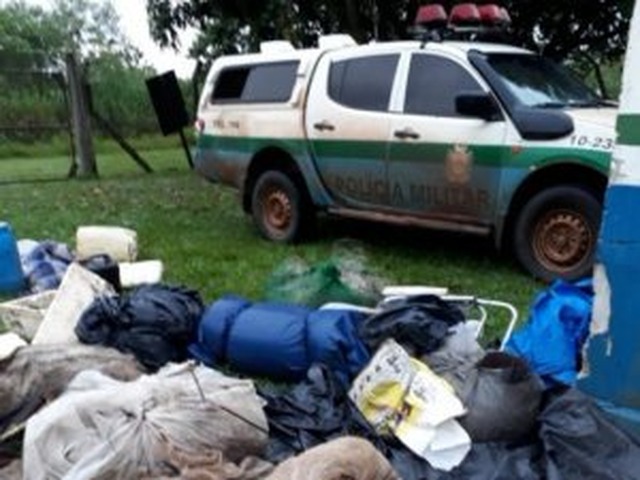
(458, 165)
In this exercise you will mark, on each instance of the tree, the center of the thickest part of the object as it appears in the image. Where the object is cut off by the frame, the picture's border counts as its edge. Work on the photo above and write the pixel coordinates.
(29, 33)
(120, 95)
(586, 32)
(92, 29)
(29, 36)
(241, 25)
(34, 43)
(35, 40)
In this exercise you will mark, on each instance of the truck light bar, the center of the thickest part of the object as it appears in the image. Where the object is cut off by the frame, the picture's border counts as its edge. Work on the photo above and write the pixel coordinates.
(463, 17)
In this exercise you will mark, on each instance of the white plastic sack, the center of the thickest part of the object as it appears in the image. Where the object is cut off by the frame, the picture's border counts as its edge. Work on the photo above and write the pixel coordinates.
(13, 471)
(78, 290)
(24, 315)
(9, 343)
(38, 374)
(105, 429)
(119, 243)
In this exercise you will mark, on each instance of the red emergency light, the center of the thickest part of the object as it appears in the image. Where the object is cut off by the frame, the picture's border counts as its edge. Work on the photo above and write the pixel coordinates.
(465, 15)
(493, 15)
(431, 16)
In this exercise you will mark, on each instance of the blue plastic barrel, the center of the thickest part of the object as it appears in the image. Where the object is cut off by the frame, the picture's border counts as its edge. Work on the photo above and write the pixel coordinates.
(11, 276)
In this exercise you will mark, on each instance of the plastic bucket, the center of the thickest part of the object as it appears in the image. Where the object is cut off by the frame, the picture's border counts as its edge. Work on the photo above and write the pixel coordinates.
(11, 276)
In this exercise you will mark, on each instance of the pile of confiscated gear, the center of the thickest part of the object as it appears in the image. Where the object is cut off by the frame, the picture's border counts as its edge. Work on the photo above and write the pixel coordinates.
(107, 372)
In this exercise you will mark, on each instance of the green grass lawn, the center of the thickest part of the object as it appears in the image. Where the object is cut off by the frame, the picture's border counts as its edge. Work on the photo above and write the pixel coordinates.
(110, 164)
(206, 242)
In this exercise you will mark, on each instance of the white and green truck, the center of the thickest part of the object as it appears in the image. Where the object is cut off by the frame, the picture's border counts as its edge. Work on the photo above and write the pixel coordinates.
(483, 138)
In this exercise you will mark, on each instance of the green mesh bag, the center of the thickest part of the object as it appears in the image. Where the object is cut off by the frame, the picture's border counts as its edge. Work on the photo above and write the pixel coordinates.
(325, 282)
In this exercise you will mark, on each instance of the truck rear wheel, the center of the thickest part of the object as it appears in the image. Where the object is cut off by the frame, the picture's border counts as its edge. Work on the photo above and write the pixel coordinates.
(279, 208)
(556, 233)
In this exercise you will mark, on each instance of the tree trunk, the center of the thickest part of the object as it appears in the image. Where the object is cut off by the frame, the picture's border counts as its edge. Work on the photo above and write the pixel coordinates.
(598, 72)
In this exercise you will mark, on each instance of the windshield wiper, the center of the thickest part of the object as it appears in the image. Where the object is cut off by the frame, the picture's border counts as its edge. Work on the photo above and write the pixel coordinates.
(576, 104)
(591, 103)
(549, 105)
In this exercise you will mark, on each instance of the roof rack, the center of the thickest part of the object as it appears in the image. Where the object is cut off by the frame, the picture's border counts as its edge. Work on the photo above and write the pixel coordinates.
(335, 40)
(325, 42)
(276, 46)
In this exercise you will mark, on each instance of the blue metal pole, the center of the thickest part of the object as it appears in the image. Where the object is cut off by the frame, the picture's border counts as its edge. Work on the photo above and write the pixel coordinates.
(612, 370)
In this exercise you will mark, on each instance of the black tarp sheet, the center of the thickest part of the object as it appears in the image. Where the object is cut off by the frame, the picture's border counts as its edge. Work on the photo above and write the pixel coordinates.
(572, 439)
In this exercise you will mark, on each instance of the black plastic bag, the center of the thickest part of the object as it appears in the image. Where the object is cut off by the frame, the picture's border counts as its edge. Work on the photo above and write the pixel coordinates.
(575, 439)
(581, 442)
(319, 409)
(419, 323)
(314, 411)
(156, 323)
(105, 267)
(502, 397)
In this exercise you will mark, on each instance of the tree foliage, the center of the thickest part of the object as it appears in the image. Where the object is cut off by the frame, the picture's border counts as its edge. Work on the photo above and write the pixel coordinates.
(587, 32)
(563, 29)
(33, 44)
(240, 26)
(89, 28)
(92, 28)
(29, 36)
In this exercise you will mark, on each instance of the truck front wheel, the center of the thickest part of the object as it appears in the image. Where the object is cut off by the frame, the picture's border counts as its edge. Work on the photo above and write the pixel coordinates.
(556, 233)
(279, 208)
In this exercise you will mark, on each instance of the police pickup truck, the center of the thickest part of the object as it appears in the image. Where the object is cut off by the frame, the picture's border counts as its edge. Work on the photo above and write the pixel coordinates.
(469, 136)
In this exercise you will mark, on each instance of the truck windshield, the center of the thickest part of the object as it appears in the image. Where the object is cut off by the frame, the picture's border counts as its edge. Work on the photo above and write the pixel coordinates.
(535, 81)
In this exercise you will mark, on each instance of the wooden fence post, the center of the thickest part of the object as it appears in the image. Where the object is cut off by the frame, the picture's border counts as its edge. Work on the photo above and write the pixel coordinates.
(85, 154)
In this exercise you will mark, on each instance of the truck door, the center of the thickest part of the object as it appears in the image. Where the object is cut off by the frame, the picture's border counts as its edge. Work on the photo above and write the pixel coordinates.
(441, 164)
(348, 124)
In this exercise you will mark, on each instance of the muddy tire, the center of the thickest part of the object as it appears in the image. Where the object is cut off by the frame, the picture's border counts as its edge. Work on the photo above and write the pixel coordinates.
(280, 209)
(556, 233)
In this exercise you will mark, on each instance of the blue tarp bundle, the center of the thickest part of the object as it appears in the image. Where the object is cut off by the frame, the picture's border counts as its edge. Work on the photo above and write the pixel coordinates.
(279, 341)
(555, 333)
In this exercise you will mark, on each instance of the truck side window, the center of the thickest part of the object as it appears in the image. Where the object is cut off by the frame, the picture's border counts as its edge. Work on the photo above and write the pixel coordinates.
(230, 84)
(433, 85)
(267, 82)
(364, 83)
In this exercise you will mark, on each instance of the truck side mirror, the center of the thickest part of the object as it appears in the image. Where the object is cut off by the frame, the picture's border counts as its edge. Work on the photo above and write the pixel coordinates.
(479, 105)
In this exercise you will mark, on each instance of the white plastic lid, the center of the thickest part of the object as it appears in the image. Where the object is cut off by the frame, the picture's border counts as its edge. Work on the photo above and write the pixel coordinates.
(410, 290)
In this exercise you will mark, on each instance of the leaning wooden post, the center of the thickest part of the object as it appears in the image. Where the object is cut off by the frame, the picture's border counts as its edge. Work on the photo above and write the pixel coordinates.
(83, 139)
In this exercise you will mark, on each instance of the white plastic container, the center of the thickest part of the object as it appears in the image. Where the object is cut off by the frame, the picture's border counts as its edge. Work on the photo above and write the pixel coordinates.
(119, 243)
(140, 273)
